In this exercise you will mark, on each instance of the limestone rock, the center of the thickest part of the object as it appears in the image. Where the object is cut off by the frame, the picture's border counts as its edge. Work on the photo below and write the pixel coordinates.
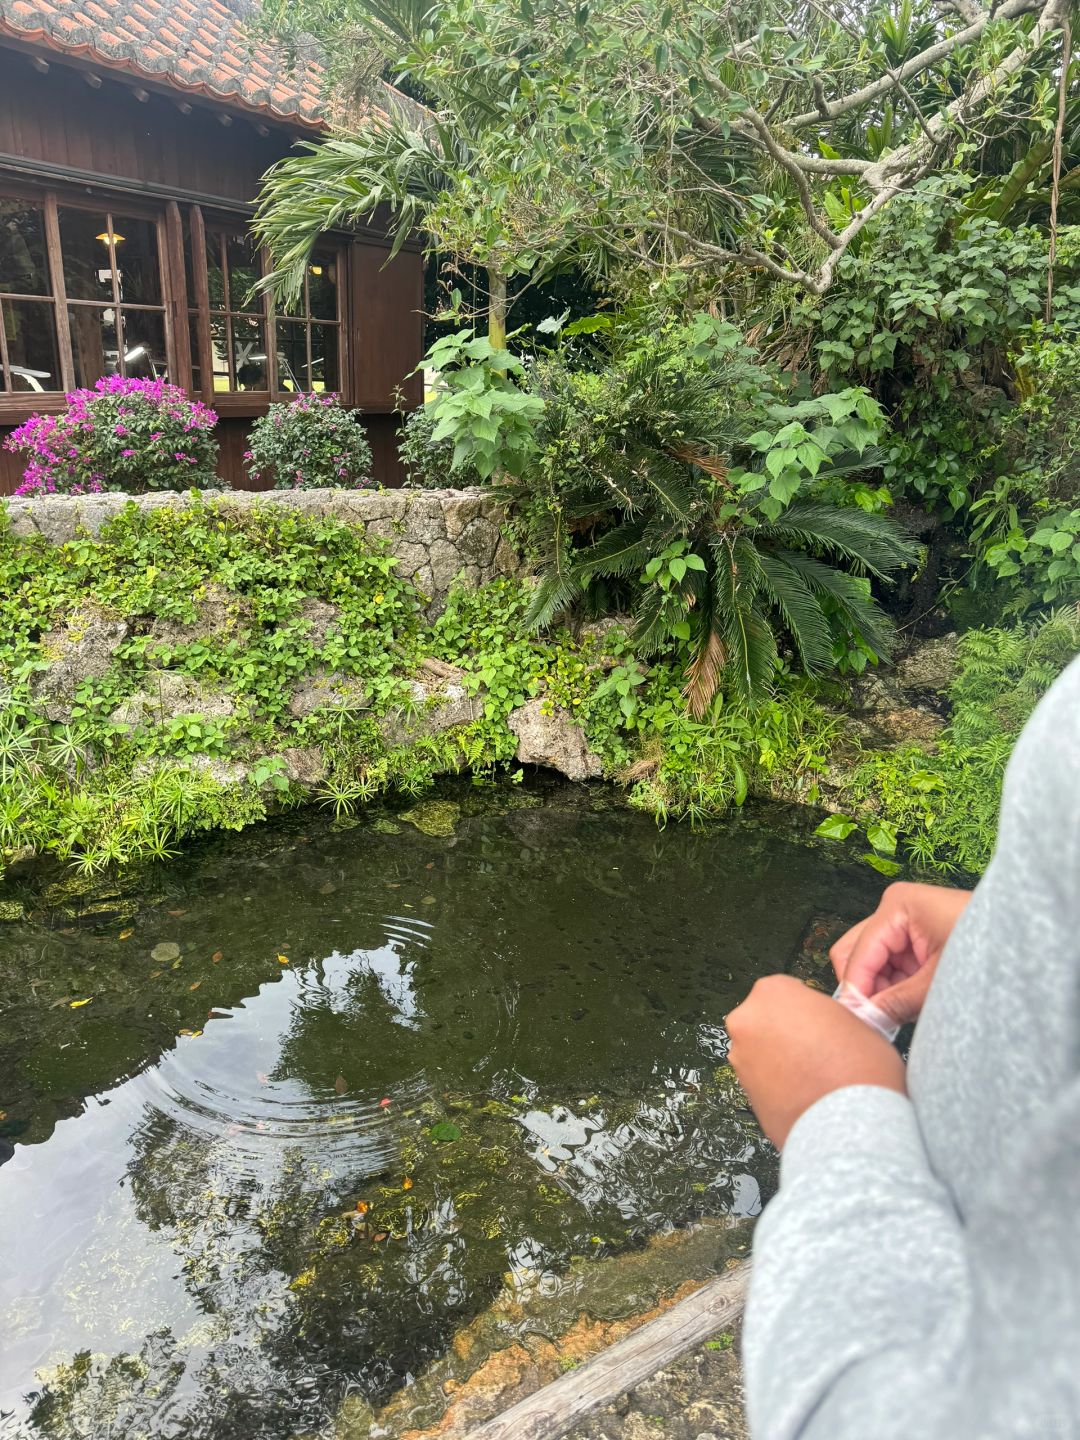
(220, 613)
(909, 725)
(83, 650)
(930, 667)
(555, 740)
(167, 695)
(305, 765)
(321, 619)
(325, 689)
(442, 701)
(222, 772)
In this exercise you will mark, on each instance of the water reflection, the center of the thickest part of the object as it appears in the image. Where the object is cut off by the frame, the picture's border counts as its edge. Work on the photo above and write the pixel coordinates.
(415, 1067)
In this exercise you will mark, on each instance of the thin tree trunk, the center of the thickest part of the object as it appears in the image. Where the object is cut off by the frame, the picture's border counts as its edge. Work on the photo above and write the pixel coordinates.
(497, 309)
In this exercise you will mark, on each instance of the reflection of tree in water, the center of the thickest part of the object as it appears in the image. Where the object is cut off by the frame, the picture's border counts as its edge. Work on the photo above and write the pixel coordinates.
(558, 1003)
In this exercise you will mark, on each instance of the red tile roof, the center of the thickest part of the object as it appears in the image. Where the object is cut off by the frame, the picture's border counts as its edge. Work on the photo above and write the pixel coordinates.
(199, 46)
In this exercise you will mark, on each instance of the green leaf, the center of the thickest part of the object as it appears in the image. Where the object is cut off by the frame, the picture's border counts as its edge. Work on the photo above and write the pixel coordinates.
(882, 836)
(836, 827)
(445, 1132)
(884, 867)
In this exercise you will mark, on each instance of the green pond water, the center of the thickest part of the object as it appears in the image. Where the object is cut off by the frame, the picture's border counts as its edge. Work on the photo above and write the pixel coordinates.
(236, 1191)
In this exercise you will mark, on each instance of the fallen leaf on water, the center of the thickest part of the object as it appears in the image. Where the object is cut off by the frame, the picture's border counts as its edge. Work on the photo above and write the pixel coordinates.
(379, 1238)
(341, 1084)
(195, 986)
(445, 1131)
(393, 884)
(383, 1104)
(406, 1184)
(3, 1114)
(218, 1015)
(176, 964)
(362, 1207)
(216, 956)
(428, 900)
(156, 974)
(125, 934)
(192, 1033)
(430, 865)
(74, 1004)
(165, 950)
(282, 959)
(177, 912)
(327, 888)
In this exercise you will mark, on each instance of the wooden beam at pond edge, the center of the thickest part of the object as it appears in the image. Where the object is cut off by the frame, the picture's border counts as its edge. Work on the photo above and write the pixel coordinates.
(549, 1413)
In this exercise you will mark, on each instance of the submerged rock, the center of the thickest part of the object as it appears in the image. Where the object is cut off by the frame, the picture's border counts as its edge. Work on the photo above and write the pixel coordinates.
(434, 817)
(549, 735)
(83, 650)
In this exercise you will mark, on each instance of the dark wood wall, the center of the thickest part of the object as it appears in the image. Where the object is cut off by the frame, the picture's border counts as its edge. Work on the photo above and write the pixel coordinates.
(62, 130)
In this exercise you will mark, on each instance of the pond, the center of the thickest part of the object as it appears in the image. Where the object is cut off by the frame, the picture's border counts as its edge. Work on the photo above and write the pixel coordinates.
(284, 1114)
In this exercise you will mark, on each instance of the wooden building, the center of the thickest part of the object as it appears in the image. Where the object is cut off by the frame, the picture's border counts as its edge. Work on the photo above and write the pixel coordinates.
(132, 137)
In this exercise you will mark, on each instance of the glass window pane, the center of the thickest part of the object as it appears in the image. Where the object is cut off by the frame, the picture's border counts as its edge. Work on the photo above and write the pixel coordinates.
(144, 344)
(137, 260)
(30, 331)
(215, 243)
(23, 265)
(86, 244)
(291, 356)
(322, 285)
(243, 272)
(219, 353)
(249, 354)
(324, 358)
(94, 343)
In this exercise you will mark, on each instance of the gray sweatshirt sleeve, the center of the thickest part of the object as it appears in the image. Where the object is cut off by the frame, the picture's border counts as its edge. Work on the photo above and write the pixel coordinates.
(918, 1273)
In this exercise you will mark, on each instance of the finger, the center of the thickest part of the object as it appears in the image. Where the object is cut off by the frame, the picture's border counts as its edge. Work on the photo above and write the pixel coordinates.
(882, 946)
(904, 1001)
(840, 953)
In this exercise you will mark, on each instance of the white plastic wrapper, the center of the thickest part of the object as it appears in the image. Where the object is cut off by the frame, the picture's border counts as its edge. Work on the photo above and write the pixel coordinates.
(869, 1013)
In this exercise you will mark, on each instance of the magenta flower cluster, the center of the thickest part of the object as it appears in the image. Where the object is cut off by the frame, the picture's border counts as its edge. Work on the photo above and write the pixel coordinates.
(310, 442)
(124, 434)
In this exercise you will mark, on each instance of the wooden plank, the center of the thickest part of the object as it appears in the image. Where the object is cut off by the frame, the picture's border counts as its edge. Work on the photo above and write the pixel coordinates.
(201, 281)
(387, 328)
(59, 291)
(551, 1411)
(175, 295)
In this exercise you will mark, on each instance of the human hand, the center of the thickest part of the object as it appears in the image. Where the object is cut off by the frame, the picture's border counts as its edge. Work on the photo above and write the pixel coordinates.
(892, 954)
(790, 1046)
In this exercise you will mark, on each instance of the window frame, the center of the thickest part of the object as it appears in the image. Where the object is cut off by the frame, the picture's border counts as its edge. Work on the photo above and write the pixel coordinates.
(16, 405)
(199, 309)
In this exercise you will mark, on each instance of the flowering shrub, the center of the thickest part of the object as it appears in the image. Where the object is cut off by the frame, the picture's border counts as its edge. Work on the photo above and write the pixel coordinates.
(123, 435)
(310, 442)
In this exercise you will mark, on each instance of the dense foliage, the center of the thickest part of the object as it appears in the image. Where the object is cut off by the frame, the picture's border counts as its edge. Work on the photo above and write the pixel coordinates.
(122, 435)
(309, 442)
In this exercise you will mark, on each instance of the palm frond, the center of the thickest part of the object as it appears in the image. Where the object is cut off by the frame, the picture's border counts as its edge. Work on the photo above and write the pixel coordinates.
(705, 671)
(737, 617)
(871, 544)
(788, 591)
(853, 601)
(620, 552)
(560, 586)
(334, 183)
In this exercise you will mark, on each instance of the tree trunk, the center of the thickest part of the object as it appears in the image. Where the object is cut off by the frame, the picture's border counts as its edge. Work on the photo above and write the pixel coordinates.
(497, 309)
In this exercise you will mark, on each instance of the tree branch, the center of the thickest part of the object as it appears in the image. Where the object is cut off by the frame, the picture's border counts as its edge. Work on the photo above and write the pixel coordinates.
(930, 56)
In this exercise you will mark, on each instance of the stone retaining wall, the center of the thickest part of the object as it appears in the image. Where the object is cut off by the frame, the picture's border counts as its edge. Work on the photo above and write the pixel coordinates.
(436, 534)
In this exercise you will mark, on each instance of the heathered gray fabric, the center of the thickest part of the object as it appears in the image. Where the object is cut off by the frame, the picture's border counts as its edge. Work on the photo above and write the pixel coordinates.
(918, 1273)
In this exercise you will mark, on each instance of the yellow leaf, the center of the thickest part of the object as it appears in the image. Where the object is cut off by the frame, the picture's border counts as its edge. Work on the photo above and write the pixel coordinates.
(282, 959)
(76, 1003)
(125, 934)
(192, 1033)
(195, 986)
(216, 956)
(407, 1184)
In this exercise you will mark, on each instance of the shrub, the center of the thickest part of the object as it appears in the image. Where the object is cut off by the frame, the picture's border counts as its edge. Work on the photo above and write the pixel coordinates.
(309, 443)
(429, 464)
(124, 434)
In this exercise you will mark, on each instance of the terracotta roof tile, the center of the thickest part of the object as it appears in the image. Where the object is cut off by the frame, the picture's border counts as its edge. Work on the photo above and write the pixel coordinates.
(202, 46)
